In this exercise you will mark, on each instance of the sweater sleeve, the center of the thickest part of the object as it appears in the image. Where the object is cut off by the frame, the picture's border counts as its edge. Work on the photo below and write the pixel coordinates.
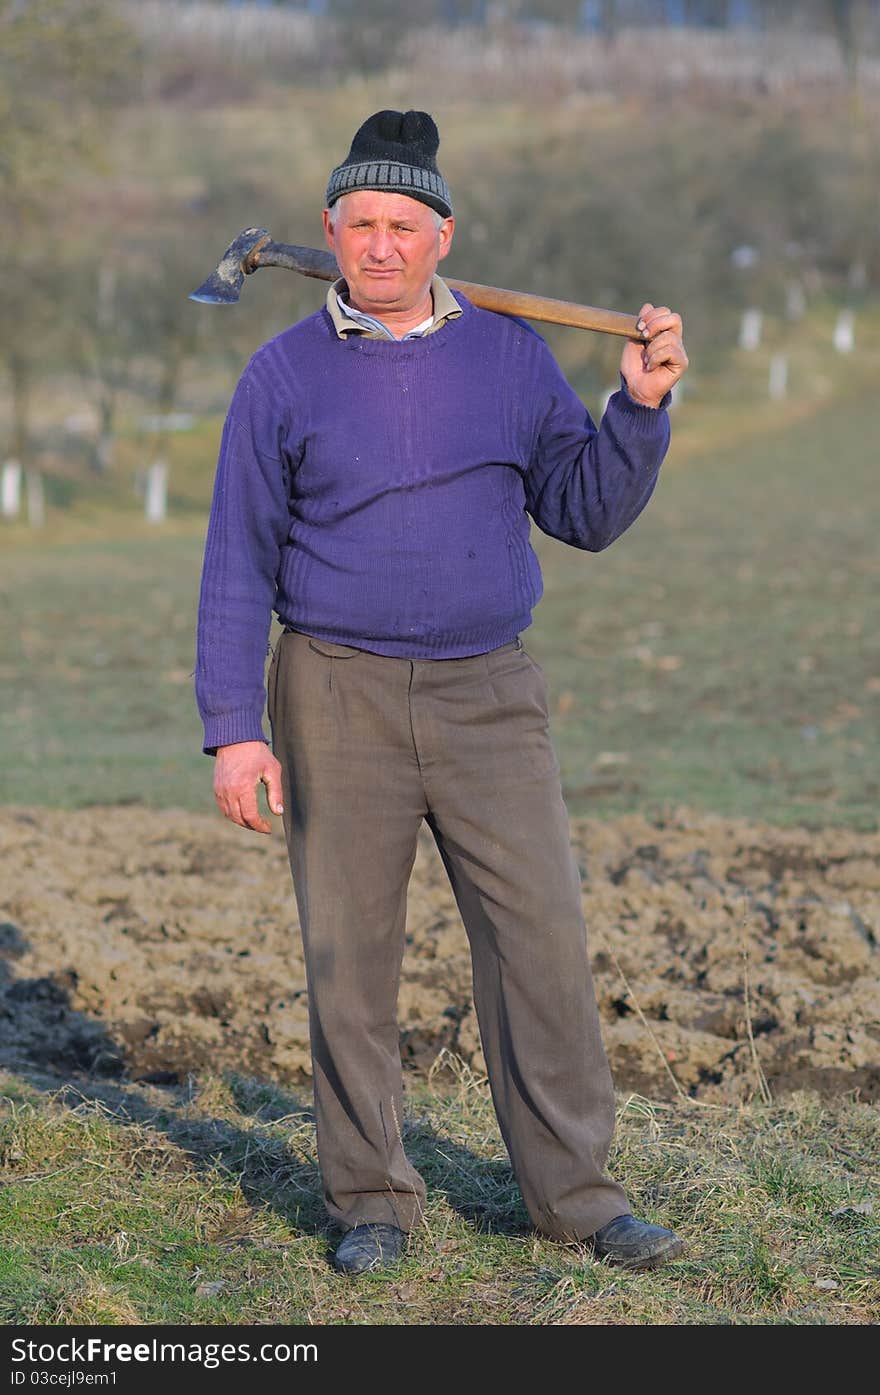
(586, 485)
(246, 530)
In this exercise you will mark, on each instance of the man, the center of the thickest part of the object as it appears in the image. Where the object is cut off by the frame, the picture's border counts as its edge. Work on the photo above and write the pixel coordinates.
(378, 467)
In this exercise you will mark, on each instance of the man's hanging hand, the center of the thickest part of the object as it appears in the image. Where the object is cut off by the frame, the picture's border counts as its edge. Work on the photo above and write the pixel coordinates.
(238, 771)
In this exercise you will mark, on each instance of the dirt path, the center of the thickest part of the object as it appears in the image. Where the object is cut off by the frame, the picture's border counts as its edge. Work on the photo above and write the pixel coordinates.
(160, 943)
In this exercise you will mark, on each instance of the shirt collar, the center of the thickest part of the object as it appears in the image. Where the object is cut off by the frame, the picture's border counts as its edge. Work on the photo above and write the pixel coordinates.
(347, 320)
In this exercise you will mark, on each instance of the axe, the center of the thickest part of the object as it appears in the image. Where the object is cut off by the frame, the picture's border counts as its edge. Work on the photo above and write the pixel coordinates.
(254, 248)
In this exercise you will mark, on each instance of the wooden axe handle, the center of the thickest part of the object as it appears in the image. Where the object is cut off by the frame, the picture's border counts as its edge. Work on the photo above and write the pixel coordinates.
(539, 307)
(311, 262)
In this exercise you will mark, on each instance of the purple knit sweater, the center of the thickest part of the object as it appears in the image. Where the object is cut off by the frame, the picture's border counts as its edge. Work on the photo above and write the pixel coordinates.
(378, 493)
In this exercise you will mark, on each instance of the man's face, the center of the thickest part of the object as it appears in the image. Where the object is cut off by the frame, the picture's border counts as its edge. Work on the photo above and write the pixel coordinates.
(387, 247)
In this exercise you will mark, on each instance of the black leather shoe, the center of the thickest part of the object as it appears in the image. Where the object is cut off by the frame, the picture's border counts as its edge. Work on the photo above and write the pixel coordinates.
(633, 1244)
(370, 1246)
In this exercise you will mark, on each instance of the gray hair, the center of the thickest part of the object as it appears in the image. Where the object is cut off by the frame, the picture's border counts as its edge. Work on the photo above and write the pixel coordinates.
(438, 218)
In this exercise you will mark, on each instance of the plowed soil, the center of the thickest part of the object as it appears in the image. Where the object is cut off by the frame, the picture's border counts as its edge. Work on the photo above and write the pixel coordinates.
(729, 957)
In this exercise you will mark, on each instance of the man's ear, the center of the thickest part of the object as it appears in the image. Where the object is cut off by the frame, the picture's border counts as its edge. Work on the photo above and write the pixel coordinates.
(446, 230)
(328, 231)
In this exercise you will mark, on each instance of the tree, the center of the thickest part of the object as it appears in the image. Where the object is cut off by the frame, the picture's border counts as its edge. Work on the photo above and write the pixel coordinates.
(372, 34)
(61, 63)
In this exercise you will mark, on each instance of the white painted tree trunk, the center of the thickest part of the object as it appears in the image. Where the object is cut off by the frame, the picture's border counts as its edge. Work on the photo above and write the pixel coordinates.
(156, 494)
(844, 339)
(750, 329)
(10, 489)
(778, 381)
(795, 301)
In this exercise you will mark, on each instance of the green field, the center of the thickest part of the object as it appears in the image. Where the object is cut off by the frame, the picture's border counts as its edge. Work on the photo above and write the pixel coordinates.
(722, 655)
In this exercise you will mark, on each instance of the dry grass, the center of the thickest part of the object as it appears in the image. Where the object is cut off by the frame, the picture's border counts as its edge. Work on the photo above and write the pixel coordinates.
(131, 1204)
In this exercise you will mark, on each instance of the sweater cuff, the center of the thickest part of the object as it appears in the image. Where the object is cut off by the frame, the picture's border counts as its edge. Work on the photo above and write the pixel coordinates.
(232, 728)
(638, 410)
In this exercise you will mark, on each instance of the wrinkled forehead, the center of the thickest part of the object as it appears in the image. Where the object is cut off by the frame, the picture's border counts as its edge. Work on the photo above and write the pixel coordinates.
(383, 204)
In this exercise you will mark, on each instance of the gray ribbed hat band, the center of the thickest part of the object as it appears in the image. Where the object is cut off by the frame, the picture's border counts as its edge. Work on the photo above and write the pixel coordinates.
(383, 174)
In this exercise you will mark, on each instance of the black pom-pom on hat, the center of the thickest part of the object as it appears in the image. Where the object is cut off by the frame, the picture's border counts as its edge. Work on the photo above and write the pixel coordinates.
(394, 151)
(413, 134)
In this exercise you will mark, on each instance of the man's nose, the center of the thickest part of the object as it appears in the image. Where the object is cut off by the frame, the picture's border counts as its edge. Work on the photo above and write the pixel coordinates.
(381, 245)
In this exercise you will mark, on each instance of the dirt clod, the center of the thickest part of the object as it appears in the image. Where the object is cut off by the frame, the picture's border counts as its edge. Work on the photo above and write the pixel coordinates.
(156, 943)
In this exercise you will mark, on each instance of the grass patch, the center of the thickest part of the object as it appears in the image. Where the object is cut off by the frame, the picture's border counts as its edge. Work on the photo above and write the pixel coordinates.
(130, 1204)
(718, 656)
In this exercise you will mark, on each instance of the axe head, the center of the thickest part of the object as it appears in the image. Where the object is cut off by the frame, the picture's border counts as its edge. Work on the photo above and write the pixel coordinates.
(223, 286)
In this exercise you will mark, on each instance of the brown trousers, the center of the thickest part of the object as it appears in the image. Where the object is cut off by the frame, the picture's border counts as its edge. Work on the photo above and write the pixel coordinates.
(370, 746)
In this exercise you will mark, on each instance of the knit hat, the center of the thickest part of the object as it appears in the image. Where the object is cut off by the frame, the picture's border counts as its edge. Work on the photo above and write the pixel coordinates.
(394, 151)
